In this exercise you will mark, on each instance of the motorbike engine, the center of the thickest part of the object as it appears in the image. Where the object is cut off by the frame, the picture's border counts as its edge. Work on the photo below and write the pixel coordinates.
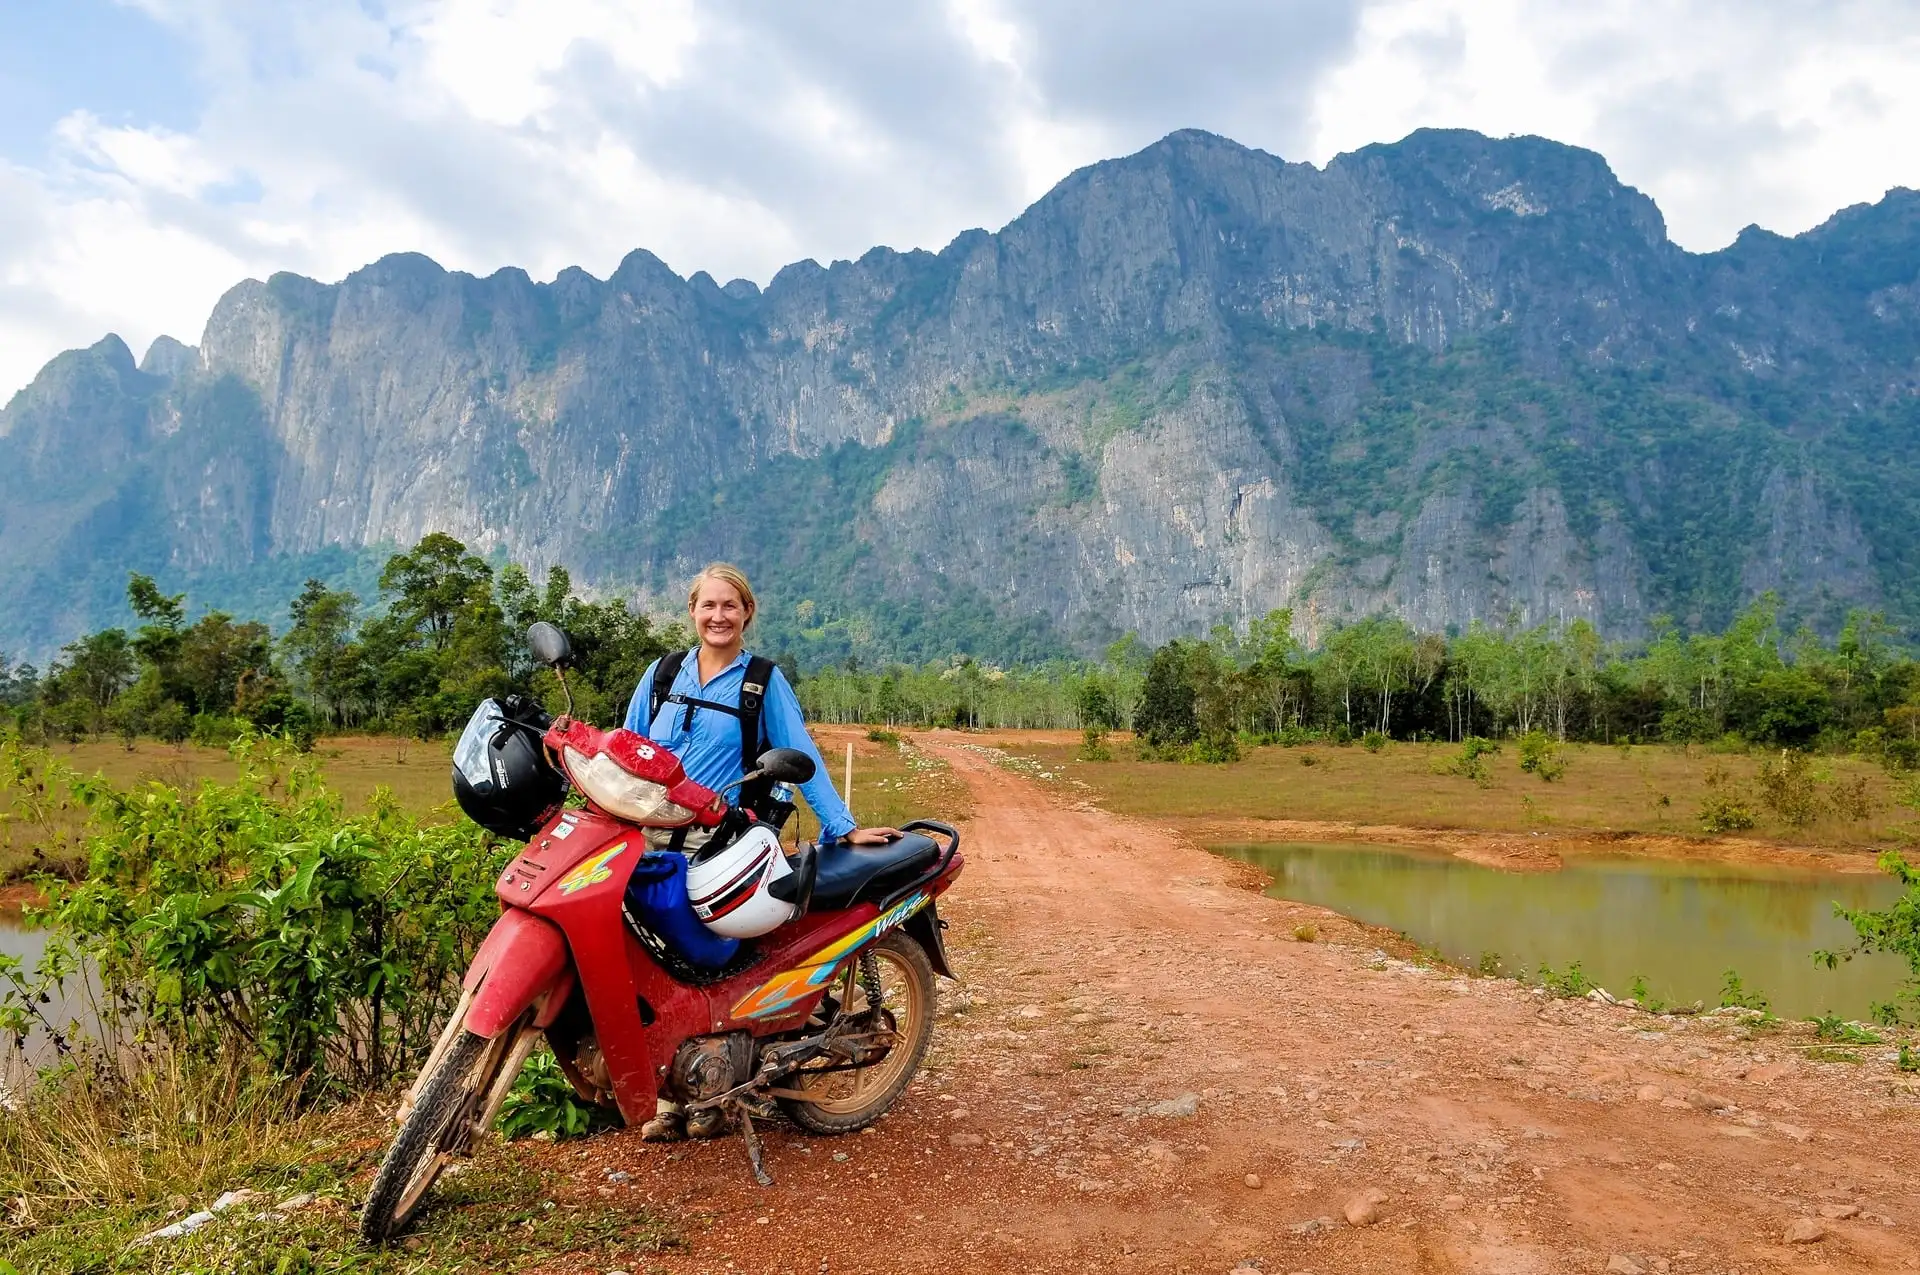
(707, 1065)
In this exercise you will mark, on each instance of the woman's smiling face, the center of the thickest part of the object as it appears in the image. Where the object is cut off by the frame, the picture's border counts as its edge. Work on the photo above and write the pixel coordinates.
(719, 615)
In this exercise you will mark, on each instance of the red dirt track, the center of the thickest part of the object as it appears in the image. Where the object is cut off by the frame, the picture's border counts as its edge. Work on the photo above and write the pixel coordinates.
(1147, 1073)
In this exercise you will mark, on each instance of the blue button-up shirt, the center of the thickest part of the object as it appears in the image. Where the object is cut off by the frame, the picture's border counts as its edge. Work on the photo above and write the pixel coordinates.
(710, 747)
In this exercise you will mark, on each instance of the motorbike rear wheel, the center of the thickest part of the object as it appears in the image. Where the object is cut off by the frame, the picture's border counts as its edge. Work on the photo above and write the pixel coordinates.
(448, 1107)
(852, 1099)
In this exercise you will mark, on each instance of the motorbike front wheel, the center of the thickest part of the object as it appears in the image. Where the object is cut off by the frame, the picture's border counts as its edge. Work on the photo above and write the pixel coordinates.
(845, 1101)
(449, 1108)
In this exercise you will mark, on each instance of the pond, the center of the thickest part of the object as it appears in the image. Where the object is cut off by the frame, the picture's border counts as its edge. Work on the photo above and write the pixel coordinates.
(16, 940)
(1681, 925)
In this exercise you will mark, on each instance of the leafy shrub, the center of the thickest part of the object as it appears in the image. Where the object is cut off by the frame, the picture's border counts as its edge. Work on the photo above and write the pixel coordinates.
(1214, 748)
(170, 722)
(543, 1100)
(1471, 761)
(1373, 741)
(1488, 965)
(1093, 745)
(1852, 798)
(1305, 933)
(1789, 789)
(1643, 995)
(1722, 809)
(253, 919)
(879, 735)
(1569, 983)
(1540, 755)
(1735, 995)
(1309, 759)
(1833, 1027)
(1894, 930)
(212, 731)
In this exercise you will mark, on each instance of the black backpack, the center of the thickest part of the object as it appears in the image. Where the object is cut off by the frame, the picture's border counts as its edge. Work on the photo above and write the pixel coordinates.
(753, 690)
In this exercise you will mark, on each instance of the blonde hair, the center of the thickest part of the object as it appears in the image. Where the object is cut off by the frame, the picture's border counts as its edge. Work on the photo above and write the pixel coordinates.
(725, 573)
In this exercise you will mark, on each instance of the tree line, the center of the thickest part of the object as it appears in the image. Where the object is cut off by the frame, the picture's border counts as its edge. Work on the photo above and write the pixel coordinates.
(446, 631)
(1203, 698)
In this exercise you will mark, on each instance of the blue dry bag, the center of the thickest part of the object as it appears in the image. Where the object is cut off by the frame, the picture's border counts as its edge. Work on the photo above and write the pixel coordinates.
(657, 897)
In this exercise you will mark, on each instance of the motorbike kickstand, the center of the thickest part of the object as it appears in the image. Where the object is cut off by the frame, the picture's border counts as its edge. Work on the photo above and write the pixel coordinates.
(752, 1140)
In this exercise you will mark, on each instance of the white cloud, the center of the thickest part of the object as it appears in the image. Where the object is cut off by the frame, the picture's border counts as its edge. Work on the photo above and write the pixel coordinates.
(738, 135)
(1727, 113)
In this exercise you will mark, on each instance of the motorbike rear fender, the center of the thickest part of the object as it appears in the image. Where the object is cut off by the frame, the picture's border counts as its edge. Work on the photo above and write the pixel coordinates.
(925, 927)
(522, 963)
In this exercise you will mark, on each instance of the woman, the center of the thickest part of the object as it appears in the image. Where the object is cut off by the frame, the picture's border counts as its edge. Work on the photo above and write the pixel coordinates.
(698, 722)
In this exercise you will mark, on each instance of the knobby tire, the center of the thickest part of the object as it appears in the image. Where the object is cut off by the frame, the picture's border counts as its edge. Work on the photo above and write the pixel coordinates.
(446, 1097)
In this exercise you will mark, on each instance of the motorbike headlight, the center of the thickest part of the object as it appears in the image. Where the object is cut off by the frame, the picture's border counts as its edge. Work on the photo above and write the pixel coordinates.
(623, 795)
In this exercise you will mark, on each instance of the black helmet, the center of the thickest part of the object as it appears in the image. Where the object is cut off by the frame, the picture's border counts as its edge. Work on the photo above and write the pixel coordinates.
(501, 776)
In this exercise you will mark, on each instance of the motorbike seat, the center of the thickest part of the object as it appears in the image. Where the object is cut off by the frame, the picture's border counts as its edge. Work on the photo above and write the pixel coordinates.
(850, 874)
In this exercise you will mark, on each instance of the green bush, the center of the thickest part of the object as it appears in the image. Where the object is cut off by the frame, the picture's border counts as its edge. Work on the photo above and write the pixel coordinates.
(1789, 789)
(1643, 995)
(1093, 745)
(543, 1100)
(1833, 1027)
(1735, 995)
(879, 735)
(1540, 755)
(1722, 809)
(1569, 983)
(1373, 741)
(1894, 930)
(170, 722)
(213, 731)
(1471, 761)
(255, 919)
(1214, 748)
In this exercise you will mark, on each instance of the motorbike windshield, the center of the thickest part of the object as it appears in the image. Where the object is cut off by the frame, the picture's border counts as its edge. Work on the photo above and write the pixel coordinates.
(470, 754)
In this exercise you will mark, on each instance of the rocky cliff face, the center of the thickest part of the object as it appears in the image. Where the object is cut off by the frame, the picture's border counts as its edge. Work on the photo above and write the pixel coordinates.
(1455, 378)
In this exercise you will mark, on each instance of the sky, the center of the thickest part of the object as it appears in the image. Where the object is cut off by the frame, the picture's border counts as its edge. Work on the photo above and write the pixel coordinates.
(155, 152)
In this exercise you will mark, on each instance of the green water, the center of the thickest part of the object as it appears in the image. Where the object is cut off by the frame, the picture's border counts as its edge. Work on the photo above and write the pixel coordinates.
(1681, 925)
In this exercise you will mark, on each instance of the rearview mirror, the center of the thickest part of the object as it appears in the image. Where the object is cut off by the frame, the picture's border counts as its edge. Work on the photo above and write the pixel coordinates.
(786, 765)
(549, 644)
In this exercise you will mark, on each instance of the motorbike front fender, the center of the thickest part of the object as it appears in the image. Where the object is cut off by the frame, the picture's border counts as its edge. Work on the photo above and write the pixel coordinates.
(524, 963)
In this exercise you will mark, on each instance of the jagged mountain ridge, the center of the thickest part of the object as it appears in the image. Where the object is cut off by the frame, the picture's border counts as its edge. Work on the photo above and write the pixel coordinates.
(1454, 377)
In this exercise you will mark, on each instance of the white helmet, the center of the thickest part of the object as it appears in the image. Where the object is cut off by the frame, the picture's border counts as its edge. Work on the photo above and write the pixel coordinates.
(728, 887)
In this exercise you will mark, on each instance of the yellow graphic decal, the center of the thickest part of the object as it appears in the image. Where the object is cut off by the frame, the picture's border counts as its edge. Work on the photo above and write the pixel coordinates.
(792, 985)
(591, 871)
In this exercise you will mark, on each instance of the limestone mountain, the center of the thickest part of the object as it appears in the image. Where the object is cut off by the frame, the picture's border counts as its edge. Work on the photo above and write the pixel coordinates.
(1453, 378)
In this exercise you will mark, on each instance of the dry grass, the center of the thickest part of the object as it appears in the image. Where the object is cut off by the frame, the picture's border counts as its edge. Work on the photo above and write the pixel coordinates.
(1645, 789)
(92, 1137)
(892, 783)
(89, 1166)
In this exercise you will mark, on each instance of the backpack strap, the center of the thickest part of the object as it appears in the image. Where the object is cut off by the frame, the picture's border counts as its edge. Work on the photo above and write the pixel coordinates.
(753, 689)
(665, 673)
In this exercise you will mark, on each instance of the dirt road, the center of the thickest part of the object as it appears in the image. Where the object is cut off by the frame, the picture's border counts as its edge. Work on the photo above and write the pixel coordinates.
(1145, 1071)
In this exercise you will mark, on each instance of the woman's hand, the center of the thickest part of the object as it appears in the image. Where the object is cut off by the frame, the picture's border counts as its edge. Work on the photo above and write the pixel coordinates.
(874, 836)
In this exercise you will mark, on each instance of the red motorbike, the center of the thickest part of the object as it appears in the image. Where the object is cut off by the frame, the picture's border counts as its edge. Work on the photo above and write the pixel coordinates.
(825, 1020)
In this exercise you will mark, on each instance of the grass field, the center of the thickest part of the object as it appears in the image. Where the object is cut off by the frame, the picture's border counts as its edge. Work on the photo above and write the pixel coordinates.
(891, 784)
(1655, 789)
